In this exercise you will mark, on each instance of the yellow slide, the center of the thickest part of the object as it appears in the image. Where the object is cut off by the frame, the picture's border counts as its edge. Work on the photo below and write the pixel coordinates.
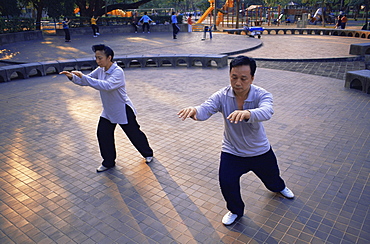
(228, 4)
(209, 10)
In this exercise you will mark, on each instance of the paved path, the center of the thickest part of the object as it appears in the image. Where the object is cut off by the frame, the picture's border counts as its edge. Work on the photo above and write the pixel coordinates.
(50, 193)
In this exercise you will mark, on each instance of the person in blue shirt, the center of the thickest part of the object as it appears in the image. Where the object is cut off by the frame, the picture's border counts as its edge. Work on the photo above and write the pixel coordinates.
(145, 20)
(245, 147)
(65, 24)
(109, 80)
(175, 27)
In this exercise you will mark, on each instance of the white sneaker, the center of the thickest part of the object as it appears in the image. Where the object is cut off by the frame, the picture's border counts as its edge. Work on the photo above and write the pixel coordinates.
(287, 193)
(95, 36)
(229, 218)
(101, 168)
(148, 159)
(98, 34)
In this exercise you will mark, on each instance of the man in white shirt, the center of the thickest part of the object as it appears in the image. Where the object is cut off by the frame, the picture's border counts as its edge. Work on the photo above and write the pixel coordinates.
(245, 146)
(109, 79)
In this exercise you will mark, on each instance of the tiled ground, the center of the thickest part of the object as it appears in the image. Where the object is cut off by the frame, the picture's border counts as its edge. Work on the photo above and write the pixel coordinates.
(50, 192)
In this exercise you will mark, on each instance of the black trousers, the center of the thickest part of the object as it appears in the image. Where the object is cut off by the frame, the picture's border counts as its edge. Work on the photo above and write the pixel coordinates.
(67, 34)
(233, 167)
(107, 146)
(95, 29)
(175, 29)
(147, 26)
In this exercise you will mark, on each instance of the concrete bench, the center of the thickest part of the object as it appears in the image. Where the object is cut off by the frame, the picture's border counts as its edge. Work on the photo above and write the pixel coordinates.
(360, 49)
(359, 79)
(24, 71)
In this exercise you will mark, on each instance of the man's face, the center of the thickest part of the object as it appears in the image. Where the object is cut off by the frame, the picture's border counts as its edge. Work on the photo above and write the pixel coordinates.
(101, 59)
(241, 79)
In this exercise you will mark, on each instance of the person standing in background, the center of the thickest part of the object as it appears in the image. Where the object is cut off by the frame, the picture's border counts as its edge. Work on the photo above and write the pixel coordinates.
(94, 26)
(65, 24)
(175, 27)
(343, 22)
(190, 23)
(145, 20)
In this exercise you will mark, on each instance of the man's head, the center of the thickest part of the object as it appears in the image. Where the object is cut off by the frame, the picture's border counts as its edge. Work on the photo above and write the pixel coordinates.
(244, 60)
(103, 55)
(242, 70)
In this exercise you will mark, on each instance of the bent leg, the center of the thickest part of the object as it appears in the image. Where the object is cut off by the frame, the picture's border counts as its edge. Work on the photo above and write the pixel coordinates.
(231, 169)
(267, 169)
(135, 135)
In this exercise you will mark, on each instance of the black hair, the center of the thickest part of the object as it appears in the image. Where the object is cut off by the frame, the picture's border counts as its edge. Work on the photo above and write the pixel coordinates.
(244, 60)
(107, 50)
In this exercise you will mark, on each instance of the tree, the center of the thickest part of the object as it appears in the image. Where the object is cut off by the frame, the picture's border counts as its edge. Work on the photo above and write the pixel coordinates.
(89, 8)
(9, 8)
(57, 8)
(38, 5)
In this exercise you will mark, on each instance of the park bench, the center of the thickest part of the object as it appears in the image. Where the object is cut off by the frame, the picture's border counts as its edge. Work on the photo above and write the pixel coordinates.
(359, 79)
(24, 71)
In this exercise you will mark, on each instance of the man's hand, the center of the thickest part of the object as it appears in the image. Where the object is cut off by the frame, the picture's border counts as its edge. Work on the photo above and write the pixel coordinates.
(67, 73)
(239, 115)
(78, 73)
(189, 112)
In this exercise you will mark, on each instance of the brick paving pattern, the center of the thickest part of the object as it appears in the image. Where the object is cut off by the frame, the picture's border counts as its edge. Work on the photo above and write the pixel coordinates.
(50, 192)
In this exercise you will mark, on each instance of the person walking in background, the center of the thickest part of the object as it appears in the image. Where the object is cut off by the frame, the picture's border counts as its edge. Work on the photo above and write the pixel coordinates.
(175, 27)
(339, 22)
(109, 79)
(245, 146)
(94, 26)
(190, 23)
(134, 21)
(343, 22)
(65, 24)
(145, 20)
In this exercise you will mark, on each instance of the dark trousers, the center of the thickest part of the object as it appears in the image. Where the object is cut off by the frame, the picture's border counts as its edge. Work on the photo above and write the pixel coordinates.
(147, 26)
(233, 167)
(132, 129)
(175, 29)
(67, 34)
(95, 29)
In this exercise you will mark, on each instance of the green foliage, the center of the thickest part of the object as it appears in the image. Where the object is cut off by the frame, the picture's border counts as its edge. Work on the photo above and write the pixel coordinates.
(109, 21)
(16, 25)
(9, 8)
(57, 8)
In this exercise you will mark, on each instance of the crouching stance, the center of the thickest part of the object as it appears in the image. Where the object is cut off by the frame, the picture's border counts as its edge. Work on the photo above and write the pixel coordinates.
(245, 146)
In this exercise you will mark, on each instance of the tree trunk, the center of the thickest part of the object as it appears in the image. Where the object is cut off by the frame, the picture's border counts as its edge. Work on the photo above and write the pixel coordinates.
(39, 8)
(237, 14)
(100, 12)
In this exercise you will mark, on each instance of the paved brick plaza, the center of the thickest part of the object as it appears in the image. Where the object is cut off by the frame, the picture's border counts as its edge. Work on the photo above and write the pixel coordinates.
(50, 192)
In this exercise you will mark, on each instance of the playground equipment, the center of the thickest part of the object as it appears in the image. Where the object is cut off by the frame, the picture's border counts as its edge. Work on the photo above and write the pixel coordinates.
(228, 4)
(253, 31)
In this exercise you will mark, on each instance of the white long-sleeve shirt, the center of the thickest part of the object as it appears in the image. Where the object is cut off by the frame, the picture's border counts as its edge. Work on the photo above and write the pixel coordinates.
(246, 138)
(112, 87)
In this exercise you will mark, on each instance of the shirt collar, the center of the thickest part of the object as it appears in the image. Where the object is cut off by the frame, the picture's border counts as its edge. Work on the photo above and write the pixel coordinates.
(250, 97)
(112, 67)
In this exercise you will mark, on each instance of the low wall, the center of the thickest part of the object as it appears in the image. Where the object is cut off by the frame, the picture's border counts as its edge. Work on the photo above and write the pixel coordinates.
(120, 29)
(20, 36)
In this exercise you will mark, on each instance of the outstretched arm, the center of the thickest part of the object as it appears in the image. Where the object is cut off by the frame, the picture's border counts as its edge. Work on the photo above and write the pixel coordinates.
(189, 112)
